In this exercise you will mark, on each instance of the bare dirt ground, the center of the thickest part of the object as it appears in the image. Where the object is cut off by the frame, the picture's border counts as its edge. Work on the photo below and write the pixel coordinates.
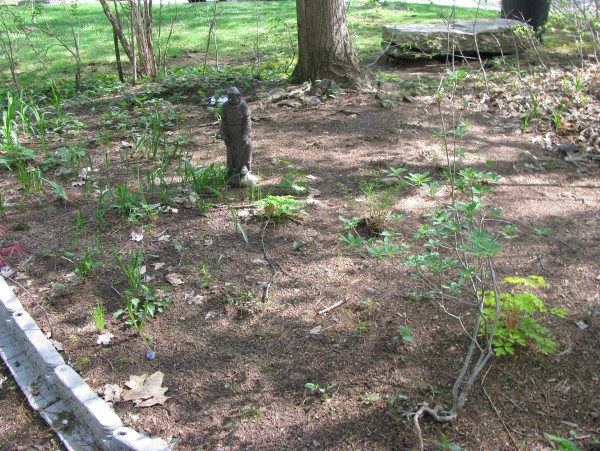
(236, 368)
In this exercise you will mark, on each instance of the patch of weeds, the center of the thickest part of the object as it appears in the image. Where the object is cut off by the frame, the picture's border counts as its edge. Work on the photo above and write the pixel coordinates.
(20, 227)
(209, 179)
(542, 230)
(376, 207)
(366, 304)
(250, 413)
(135, 208)
(141, 300)
(415, 296)
(87, 264)
(370, 398)
(564, 444)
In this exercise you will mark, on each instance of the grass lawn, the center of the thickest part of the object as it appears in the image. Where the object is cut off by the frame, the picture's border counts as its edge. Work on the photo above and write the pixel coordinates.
(245, 32)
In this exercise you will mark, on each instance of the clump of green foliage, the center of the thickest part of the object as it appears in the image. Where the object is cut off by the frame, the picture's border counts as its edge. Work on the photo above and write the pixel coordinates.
(278, 207)
(518, 322)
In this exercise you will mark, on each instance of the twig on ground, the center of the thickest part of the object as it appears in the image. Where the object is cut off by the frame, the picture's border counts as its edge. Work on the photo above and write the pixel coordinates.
(331, 307)
(512, 439)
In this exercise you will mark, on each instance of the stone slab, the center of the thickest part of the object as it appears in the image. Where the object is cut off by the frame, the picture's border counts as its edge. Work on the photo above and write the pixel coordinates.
(467, 38)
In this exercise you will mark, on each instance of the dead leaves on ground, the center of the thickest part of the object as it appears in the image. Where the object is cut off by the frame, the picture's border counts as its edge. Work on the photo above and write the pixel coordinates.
(144, 391)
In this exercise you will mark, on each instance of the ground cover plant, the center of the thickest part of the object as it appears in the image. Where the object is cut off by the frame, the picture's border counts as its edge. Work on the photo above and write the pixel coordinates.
(417, 266)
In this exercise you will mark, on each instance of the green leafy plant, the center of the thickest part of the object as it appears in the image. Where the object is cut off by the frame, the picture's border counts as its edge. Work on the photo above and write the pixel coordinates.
(404, 335)
(395, 172)
(241, 300)
(87, 264)
(564, 444)
(445, 444)
(135, 206)
(354, 242)
(418, 178)
(206, 179)
(516, 321)
(141, 300)
(279, 207)
(293, 181)
(371, 398)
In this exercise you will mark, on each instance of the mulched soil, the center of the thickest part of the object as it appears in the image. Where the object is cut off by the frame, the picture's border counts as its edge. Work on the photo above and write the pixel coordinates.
(236, 367)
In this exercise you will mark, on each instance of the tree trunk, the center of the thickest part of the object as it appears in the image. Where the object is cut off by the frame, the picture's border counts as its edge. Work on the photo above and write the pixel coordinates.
(141, 30)
(142, 20)
(324, 46)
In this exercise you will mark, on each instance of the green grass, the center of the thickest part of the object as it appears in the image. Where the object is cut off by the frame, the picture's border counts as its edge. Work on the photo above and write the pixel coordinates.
(247, 32)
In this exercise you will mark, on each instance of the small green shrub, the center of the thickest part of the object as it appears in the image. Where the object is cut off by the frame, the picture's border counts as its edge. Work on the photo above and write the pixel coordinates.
(517, 322)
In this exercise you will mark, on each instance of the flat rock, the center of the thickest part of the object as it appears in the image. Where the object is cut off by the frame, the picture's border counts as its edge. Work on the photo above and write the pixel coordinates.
(290, 103)
(467, 38)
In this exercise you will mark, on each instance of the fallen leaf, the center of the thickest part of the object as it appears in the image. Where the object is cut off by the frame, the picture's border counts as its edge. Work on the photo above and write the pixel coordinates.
(164, 238)
(104, 339)
(157, 266)
(194, 299)
(137, 237)
(174, 279)
(146, 391)
(316, 330)
(72, 277)
(112, 393)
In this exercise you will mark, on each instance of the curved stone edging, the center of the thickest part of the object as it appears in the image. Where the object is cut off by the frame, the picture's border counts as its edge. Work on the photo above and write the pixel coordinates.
(80, 418)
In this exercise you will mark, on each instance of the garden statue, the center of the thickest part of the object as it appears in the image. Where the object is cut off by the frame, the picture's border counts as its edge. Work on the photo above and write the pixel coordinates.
(235, 131)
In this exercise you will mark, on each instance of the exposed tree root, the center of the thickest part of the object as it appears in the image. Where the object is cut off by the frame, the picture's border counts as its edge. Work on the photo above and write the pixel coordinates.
(435, 413)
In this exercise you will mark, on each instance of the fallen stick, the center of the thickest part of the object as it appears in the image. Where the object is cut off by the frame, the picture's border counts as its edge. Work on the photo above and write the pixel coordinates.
(328, 309)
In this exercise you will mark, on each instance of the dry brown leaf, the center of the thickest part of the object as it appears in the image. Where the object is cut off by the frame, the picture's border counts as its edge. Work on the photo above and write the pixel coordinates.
(146, 391)
(174, 279)
(112, 393)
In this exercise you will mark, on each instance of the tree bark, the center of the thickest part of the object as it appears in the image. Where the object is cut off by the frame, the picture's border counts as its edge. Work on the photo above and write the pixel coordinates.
(141, 31)
(324, 46)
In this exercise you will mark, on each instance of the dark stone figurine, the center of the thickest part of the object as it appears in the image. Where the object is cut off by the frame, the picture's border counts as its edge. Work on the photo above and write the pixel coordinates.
(235, 131)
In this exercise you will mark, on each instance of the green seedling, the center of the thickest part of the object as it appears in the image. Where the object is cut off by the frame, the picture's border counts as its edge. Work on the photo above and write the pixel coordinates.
(404, 335)
(98, 317)
(318, 389)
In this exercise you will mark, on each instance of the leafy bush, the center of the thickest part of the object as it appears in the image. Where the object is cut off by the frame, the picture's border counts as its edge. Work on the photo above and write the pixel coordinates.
(517, 323)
